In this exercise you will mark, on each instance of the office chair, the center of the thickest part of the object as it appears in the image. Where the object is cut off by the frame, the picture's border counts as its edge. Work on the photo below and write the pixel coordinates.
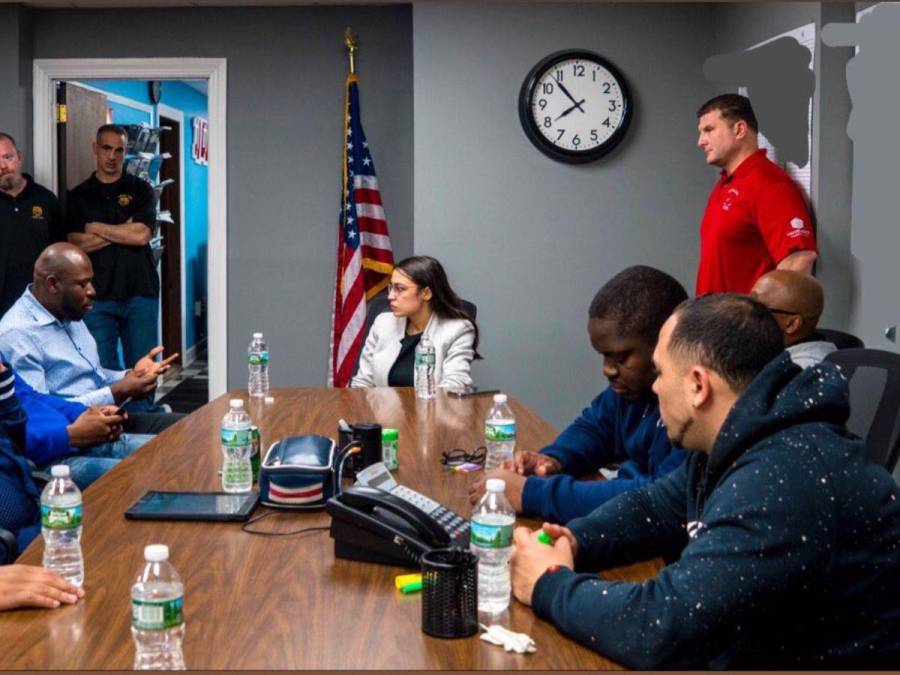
(840, 339)
(379, 305)
(874, 380)
(8, 542)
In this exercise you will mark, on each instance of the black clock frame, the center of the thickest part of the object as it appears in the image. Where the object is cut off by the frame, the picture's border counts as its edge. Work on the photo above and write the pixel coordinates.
(545, 145)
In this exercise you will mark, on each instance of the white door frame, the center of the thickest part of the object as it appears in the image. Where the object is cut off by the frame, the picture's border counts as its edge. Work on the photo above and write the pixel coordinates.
(48, 71)
(178, 116)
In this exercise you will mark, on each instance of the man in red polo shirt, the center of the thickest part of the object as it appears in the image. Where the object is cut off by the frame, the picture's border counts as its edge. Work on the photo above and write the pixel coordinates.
(756, 219)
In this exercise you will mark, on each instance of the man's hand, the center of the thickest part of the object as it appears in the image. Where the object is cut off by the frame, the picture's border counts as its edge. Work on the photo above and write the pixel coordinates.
(528, 463)
(30, 586)
(515, 485)
(557, 531)
(136, 384)
(93, 427)
(148, 363)
(531, 558)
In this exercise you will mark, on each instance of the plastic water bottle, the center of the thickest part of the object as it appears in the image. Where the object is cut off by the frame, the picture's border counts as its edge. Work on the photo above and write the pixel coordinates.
(258, 363)
(491, 540)
(499, 433)
(424, 374)
(157, 613)
(61, 522)
(237, 472)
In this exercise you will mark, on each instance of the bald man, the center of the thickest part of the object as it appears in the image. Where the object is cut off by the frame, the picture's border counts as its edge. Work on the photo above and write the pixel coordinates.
(796, 301)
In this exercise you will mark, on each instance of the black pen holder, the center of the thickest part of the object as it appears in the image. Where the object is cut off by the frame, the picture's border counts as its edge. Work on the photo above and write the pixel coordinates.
(449, 593)
(369, 436)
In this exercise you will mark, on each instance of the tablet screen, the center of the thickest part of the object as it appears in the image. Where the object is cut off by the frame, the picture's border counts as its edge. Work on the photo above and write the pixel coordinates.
(193, 506)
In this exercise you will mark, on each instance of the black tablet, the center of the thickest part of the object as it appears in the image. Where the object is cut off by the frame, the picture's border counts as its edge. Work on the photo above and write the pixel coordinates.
(193, 506)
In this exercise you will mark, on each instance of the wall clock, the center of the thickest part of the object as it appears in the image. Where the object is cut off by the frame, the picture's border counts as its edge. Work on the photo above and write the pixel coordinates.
(575, 106)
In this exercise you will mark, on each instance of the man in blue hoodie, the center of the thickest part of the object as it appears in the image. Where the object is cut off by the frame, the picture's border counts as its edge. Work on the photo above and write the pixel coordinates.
(621, 425)
(789, 538)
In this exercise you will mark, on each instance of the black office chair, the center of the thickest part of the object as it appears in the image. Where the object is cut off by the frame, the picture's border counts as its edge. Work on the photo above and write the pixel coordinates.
(840, 339)
(874, 379)
(8, 543)
(379, 305)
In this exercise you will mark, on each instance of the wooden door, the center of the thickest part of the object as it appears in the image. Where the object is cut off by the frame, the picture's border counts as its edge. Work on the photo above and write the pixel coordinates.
(170, 200)
(86, 111)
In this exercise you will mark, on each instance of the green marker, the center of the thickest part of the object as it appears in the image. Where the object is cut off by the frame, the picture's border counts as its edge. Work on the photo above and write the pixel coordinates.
(413, 587)
(544, 538)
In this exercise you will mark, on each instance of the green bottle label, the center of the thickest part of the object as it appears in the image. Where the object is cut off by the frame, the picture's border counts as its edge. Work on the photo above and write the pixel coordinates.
(424, 359)
(257, 359)
(235, 438)
(491, 536)
(157, 614)
(500, 432)
(61, 517)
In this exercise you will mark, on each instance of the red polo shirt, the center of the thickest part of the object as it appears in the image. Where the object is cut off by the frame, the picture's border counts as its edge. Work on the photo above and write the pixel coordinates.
(754, 218)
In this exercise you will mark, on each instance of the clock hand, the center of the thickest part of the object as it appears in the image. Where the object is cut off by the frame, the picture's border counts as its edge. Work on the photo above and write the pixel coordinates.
(571, 98)
(568, 110)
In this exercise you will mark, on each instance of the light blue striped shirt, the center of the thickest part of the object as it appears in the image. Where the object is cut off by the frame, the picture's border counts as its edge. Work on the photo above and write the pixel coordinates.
(55, 357)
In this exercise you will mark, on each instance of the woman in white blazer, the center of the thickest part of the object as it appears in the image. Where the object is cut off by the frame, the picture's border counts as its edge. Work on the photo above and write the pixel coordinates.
(422, 303)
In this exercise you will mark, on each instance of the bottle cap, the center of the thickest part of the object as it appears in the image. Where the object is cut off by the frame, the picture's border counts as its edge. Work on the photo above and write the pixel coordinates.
(499, 398)
(236, 403)
(389, 434)
(60, 471)
(156, 553)
(257, 336)
(496, 485)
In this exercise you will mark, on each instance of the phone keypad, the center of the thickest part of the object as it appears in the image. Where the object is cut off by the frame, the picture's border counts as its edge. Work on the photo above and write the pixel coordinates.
(456, 526)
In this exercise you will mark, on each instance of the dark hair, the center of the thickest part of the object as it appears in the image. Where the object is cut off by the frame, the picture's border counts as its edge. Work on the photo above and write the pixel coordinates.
(426, 271)
(111, 129)
(733, 107)
(733, 335)
(6, 137)
(639, 299)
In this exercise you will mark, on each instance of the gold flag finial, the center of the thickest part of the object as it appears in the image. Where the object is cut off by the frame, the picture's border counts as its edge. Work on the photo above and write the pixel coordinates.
(351, 43)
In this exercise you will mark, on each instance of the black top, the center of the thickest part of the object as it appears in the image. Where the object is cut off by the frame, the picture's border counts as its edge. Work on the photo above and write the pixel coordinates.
(120, 271)
(29, 222)
(403, 371)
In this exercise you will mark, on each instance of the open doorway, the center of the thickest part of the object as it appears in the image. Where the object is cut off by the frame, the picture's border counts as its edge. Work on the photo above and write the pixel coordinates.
(192, 259)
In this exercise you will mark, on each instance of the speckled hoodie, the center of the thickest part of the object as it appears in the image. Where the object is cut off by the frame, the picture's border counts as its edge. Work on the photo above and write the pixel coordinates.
(785, 541)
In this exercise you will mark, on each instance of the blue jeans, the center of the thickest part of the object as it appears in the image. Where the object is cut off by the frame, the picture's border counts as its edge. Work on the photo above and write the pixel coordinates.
(133, 321)
(88, 466)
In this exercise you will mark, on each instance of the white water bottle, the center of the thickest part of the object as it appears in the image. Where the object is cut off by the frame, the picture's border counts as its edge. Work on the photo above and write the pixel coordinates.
(61, 523)
(491, 537)
(258, 364)
(499, 433)
(237, 472)
(157, 613)
(424, 373)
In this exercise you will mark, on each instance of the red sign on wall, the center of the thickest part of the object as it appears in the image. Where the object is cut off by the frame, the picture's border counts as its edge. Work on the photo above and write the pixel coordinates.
(200, 146)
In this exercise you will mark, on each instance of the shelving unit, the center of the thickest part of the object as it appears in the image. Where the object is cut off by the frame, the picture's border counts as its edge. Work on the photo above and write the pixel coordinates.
(144, 160)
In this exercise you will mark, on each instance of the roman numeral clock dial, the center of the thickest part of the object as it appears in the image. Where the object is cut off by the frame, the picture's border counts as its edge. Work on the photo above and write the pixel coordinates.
(575, 106)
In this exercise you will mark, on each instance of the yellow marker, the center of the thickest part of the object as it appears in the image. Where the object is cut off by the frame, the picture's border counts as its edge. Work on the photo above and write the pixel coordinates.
(404, 579)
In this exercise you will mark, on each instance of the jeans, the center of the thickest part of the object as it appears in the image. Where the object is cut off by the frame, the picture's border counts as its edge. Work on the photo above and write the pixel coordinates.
(134, 322)
(88, 466)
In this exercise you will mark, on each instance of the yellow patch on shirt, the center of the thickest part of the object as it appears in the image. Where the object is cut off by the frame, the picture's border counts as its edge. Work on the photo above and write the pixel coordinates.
(124, 200)
(37, 213)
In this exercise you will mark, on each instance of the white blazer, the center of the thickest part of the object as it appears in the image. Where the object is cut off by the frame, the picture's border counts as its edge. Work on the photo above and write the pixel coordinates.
(453, 351)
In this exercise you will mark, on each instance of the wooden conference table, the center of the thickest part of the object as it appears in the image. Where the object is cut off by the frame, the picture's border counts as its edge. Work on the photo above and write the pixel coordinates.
(256, 602)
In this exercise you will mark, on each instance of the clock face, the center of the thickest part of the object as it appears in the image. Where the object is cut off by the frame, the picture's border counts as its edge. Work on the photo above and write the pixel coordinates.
(575, 106)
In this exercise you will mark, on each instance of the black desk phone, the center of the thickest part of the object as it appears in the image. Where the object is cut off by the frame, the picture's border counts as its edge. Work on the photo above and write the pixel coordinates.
(378, 520)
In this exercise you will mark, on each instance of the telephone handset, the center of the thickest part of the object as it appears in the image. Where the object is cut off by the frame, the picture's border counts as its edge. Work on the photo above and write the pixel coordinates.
(378, 520)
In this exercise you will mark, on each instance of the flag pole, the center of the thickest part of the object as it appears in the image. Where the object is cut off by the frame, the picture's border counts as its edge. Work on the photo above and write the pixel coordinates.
(351, 42)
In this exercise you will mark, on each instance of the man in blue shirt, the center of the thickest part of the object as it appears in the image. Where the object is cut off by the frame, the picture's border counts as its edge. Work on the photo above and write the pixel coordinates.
(52, 349)
(622, 425)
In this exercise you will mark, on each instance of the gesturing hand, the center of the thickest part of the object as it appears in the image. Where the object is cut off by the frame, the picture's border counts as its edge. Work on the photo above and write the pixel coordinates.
(148, 363)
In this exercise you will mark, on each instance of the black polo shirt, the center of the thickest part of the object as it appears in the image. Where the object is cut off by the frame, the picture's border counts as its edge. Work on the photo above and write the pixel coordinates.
(29, 222)
(120, 271)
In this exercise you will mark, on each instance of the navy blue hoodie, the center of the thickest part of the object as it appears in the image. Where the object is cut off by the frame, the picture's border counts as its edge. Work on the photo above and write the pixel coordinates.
(611, 429)
(793, 557)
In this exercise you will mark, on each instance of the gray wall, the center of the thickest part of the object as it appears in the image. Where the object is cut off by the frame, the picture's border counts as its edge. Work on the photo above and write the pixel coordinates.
(530, 240)
(286, 70)
(15, 75)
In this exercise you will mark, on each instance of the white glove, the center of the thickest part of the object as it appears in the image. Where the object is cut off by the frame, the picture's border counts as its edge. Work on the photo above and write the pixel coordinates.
(510, 641)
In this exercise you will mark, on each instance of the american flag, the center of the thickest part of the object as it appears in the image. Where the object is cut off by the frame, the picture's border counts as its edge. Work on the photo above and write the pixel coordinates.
(364, 257)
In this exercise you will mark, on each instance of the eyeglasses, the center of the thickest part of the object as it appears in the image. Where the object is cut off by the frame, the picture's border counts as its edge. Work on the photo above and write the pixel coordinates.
(458, 456)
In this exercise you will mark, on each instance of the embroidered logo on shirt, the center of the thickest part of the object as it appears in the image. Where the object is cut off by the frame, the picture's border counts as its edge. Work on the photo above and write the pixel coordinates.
(124, 200)
(798, 228)
(693, 528)
(730, 196)
(37, 213)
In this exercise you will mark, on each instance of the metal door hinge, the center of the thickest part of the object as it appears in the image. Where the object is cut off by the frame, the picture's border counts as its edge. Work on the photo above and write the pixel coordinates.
(62, 113)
